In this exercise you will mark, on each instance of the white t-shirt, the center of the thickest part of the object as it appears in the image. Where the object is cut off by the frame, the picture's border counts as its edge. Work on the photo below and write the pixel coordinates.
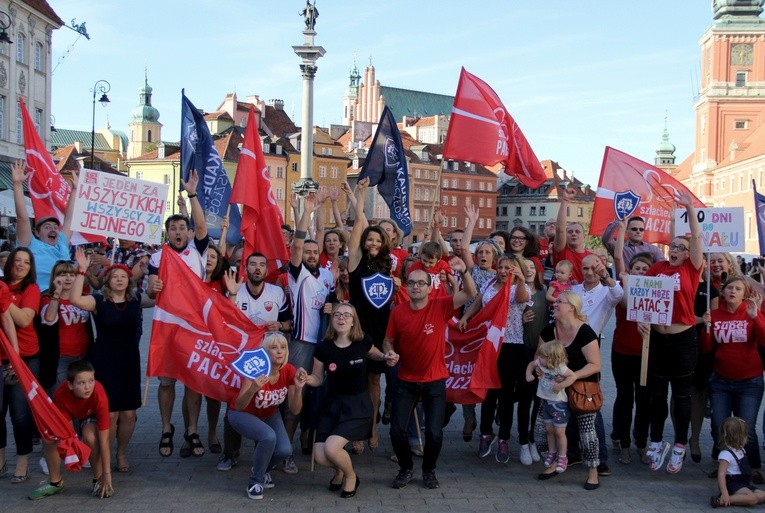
(546, 382)
(308, 294)
(194, 255)
(733, 468)
(269, 306)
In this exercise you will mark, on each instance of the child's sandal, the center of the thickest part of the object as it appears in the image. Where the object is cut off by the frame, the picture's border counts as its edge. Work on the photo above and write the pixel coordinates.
(714, 501)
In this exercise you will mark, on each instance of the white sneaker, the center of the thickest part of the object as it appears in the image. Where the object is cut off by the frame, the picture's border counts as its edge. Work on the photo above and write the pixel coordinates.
(534, 453)
(526, 455)
(268, 481)
(289, 466)
(658, 452)
(676, 459)
(44, 466)
(255, 491)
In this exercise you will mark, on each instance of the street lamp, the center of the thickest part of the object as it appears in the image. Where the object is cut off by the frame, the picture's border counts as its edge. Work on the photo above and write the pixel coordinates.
(5, 24)
(101, 87)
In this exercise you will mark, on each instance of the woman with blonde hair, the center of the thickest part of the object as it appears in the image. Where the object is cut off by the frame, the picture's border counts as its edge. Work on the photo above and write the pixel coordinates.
(255, 412)
(583, 353)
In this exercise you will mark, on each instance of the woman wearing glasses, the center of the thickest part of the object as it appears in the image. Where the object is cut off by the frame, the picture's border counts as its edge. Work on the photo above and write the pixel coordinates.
(347, 412)
(371, 287)
(674, 348)
(524, 243)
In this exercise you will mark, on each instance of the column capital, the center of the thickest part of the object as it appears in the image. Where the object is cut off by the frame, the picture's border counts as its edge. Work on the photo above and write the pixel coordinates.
(308, 70)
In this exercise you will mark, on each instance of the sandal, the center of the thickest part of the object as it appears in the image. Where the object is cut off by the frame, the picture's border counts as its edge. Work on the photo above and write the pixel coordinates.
(19, 479)
(194, 446)
(166, 442)
(123, 466)
(714, 501)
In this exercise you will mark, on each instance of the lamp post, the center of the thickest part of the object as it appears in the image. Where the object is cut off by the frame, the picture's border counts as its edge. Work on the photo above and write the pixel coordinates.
(101, 87)
(5, 24)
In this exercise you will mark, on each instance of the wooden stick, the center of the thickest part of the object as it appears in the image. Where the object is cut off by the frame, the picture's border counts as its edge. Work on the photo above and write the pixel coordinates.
(644, 360)
(709, 285)
(145, 391)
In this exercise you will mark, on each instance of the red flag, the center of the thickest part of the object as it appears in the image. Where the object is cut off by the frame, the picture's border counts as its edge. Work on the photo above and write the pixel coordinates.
(252, 189)
(51, 423)
(48, 190)
(482, 130)
(197, 332)
(629, 187)
(471, 354)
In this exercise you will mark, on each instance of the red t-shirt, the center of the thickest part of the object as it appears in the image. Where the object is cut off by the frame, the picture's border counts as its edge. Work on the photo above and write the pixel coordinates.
(573, 257)
(30, 298)
(627, 339)
(325, 262)
(437, 288)
(72, 327)
(267, 400)
(397, 257)
(544, 247)
(76, 408)
(419, 337)
(735, 341)
(217, 285)
(686, 282)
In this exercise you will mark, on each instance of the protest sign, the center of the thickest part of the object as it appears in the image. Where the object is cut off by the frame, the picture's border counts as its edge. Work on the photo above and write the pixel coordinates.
(722, 229)
(650, 299)
(118, 206)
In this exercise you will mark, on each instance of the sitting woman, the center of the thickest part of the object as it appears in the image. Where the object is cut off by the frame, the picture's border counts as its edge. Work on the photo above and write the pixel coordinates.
(347, 413)
(254, 414)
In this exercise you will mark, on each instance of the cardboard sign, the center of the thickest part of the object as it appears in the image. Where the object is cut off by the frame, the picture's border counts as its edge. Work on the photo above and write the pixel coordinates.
(650, 299)
(118, 206)
(722, 229)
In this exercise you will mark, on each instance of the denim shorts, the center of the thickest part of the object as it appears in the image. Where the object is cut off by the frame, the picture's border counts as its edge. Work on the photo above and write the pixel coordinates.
(556, 413)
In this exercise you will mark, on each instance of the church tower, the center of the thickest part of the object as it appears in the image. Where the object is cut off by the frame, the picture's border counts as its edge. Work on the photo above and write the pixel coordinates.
(351, 95)
(145, 128)
(665, 153)
(731, 102)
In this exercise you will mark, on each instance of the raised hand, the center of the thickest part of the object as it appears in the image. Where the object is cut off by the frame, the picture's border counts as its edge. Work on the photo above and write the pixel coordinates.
(472, 213)
(18, 171)
(190, 186)
(83, 260)
(334, 194)
(684, 199)
(322, 194)
(232, 284)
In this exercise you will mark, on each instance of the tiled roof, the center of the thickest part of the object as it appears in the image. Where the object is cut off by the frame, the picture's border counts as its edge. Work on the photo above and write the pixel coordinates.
(228, 145)
(172, 152)
(220, 115)
(684, 169)
(44, 8)
(406, 102)
(278, 122)
(66, 160)
(62, 137)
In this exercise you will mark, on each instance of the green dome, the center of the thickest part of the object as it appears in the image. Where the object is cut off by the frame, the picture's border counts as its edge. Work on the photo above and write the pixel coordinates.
(145, 113)
(665, 146)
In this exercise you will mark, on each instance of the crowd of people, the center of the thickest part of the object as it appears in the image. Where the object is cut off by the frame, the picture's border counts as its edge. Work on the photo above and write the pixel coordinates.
(355, 331)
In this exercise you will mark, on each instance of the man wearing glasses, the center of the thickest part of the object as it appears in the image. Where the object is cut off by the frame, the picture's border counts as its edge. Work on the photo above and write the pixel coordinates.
(416, 332)
(634, 243)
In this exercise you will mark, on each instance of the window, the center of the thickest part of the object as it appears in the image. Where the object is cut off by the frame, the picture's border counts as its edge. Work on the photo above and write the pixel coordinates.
(279, 172)
(427, 174)
(542, 211)
(329, 151)
(278, 149)
(417, 193)
(294, 166)
(481, 223)
(740, 78)
(322, 171)
(416, 173)
(488, 224)
(445, 183)
(480, 202)
(445, 221)
(426, 195)
(416, 214)
(38, 120)
(445, 200)
(38, 57)
(741, 124)
(279, 193)
(504, 211)
(579, 211)
(488, 202)
(268, 171)
(2, 117)
(324, 151)
(19, 125)
(518, 211)
(532, 211)
(468, 185)
(481, 186)
(266, 148)
(334, 172)
(21, 43)
(426, 215)
(149, 136)
(454, 201)
(139, 175)
(454, 183)
(166, 179)
(454, 222)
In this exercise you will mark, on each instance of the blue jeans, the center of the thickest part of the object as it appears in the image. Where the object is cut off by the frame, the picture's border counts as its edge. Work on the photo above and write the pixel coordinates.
(741, 398)
(271, 442)
(405, 397)
(15, 401)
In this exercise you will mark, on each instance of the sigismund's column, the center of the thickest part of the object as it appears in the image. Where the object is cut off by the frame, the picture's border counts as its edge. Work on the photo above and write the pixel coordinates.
(309, 53)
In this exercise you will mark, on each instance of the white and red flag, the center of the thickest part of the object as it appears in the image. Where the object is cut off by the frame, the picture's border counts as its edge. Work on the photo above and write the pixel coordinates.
(481, 130)
(51, 423)
(48, 190)
(629, 187)
(252, 189)
(471, 354)
(197, 333)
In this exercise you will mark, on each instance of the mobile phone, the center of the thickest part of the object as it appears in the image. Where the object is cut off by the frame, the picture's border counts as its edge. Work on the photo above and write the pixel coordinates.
(232, 268)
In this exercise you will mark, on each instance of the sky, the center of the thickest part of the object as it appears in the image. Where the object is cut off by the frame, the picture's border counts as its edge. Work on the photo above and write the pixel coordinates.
(577, 76)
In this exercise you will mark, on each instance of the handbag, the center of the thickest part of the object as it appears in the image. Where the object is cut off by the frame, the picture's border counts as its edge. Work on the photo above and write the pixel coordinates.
(585, 397)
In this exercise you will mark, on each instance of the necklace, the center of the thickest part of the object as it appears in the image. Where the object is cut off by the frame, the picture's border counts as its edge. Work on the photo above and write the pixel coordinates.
(120, 307)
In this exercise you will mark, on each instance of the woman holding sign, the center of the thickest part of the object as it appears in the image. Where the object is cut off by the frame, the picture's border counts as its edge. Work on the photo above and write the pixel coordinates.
(347, 414)
(115, 355)
(626, 358)
(674, 349)
(736, 386)
(255, 412)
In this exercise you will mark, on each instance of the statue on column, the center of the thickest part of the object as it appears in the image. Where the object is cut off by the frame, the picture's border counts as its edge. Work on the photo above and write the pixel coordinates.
(310, 12)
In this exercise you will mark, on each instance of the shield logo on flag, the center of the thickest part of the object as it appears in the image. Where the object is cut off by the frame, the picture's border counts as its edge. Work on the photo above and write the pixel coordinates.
(391, 153)
(378, 288)
(625, 204)
(253, 363)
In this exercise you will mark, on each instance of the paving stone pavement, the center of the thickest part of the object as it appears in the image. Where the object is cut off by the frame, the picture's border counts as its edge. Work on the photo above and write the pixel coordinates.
(176, 485)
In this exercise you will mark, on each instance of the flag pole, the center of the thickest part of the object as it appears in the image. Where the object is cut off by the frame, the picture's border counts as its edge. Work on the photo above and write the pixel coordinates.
(709, 286)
